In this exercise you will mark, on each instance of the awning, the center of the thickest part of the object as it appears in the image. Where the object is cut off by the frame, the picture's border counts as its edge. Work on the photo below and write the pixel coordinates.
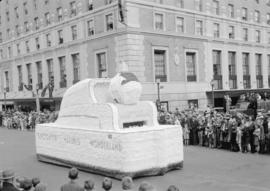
(236, 93)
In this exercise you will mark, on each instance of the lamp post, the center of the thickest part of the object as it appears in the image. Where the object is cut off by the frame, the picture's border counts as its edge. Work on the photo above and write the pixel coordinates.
(37, 99)
(213, 96)
(5, 97)
(158, 93)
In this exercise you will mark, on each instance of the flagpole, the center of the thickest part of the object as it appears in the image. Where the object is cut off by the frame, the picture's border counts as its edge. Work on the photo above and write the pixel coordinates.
(37, 99)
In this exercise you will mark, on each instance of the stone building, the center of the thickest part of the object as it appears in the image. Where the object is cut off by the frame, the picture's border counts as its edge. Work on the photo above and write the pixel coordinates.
(187, 46)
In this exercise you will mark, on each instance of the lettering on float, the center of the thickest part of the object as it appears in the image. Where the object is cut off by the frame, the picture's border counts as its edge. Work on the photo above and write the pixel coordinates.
(95, 143)
(106, 145)
(47, 137)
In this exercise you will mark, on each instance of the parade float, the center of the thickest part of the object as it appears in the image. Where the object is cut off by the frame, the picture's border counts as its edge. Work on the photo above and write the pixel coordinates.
(103, 128)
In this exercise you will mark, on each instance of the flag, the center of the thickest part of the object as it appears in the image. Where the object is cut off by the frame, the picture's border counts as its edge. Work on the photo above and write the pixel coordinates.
(44, 91)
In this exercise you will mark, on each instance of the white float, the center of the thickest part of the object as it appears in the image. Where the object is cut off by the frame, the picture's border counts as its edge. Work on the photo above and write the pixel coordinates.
(103, 131)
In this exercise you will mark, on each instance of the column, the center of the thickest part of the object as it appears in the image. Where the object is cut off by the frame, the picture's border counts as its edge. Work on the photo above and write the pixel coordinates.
(56, 71)
(225, 69)
(265, 69)
(252, 70)
(69, 70)
(239, 69)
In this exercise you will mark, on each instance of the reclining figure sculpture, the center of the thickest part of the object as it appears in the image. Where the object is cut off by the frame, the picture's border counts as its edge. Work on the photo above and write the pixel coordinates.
(103, 128)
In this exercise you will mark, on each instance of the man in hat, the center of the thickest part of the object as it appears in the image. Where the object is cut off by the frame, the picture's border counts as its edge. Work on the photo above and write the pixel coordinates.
(72, 184)
(8, 178)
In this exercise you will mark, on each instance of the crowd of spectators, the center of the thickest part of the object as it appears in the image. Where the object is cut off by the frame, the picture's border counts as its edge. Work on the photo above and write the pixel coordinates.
(8, 182)
(232, 130)
(14, 119)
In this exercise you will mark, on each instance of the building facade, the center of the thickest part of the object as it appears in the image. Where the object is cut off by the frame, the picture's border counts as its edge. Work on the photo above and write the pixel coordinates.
(185, 45)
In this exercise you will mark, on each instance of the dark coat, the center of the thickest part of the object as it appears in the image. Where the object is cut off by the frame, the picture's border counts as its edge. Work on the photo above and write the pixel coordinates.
(71, 186)
(8, 187)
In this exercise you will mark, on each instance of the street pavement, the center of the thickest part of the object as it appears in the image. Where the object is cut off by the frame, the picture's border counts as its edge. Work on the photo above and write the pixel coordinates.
(204, 169)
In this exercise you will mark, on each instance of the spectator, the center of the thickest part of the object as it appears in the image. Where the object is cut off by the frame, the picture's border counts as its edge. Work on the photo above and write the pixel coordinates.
(27, 184)
(35, 181)
(145, 186)
(89, 185)
(8, 180)
(173, 188)
(72, 185)
(127, 183)
(40, 187)
(107, 184)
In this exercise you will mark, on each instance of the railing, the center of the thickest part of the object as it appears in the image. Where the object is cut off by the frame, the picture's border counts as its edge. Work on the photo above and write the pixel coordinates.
(218, 82)
(162, 78)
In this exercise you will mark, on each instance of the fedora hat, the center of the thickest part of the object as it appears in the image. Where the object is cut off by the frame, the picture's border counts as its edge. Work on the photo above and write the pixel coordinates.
(7, 174)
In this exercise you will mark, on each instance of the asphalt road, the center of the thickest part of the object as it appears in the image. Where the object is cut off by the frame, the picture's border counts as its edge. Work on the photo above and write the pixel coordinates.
(204, 169)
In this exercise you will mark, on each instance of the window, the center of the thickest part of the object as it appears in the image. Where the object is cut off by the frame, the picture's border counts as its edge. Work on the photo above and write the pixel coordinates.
(259, 76)
(231, 10)
(180, 3)
(109, 22)
(36, 23)
(180, 24)
(1, 54)
(198, 5)
(16, 10)
(246, 73)
(29, 74)
(35, 4)
(257, 16)
(199, 28)
(191, 66)
(1, 38)
(50, 69)
(244, 14)
(76, 67)
(7, 81)
(20, 78)
(90, 27)
(246, 63)
(216, 30)
(48, 39)
(37, 43)
(245, 34)
(9, 52)
(160, 63)
(217, 69)
(231, 32)
(268, 35)
(17, 30)
(74, 32)
(258, 36)
(216, 7)
(18, 49)
(7, 14)
(60, 14)
(26, 26)
(39, 74)
(60, 37)
(268, 58)
(102, 65)
(62, 66)
(47, 19)
(268, 18)
(108, 2)
(25, 8)
(73, 10)
(8, 33)
(159, 21)
(232, 70)
(90, 5)
(27, 46)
